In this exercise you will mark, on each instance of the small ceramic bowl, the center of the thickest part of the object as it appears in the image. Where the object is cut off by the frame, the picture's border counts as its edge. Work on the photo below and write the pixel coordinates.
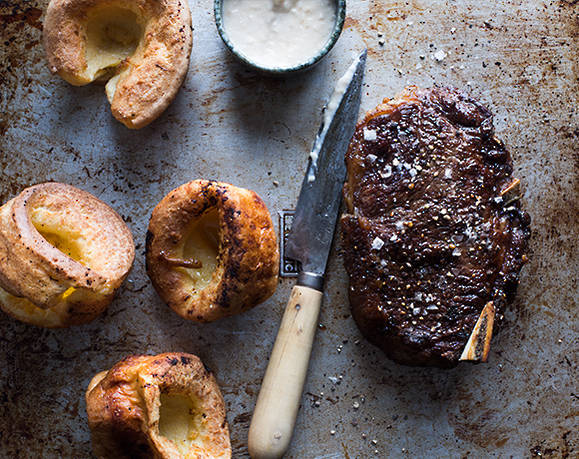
(281, 71)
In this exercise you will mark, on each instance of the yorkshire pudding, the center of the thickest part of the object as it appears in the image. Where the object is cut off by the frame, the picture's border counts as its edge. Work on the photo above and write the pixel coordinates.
(63, 254)
(163, 406)
(212, 250)
(141, 47)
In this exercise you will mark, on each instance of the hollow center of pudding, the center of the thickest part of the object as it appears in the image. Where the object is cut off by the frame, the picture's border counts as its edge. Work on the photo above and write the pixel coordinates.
(113, 34)
(202, 244)
(67, 240)
(178, 421)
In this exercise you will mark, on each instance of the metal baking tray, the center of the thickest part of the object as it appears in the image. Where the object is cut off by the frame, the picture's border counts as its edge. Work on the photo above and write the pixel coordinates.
(228, 123)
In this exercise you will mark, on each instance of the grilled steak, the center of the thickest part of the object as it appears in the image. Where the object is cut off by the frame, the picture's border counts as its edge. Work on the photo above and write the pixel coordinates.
(432, 231)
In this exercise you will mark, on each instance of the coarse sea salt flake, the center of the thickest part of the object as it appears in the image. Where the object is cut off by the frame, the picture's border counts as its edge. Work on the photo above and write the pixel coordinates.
(377, 243)
(447, 173)
(439, 55)
(387, 172)
(369, 134)
(372, 157)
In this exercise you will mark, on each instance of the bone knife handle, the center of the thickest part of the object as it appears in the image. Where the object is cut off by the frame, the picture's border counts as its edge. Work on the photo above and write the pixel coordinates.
(278, 402)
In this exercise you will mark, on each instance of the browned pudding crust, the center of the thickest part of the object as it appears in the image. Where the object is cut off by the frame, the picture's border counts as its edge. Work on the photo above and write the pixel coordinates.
(430, 234)
(63, 255)
(204, 283)
(163, 406)
(141, 47)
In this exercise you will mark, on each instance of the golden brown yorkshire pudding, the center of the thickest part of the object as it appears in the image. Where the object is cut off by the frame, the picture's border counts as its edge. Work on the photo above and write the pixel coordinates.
(141, 47)
(63, 254)
(163, 406)
(212, 250)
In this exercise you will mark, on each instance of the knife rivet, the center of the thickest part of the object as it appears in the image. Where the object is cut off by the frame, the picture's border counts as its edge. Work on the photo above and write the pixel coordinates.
(298, 307)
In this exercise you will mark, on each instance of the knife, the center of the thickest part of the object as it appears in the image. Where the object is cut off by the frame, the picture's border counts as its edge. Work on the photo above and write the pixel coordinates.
(309, 242)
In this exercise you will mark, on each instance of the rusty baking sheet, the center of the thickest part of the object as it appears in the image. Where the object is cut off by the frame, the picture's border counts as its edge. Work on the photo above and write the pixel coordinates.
(228, 123)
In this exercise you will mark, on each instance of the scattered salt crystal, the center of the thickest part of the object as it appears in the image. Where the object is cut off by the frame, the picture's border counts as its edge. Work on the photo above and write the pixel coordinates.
(377, 243)
(394, 238)
(400, 224)
(440, 55)
(415, 311)
(456, 253)
(432, 308)
(372, 157)
(387, 172)
(369, 134)
(413, 172)
(395, 162)
(383, 263)
(448, 173)
(407, 166)
(355, 405)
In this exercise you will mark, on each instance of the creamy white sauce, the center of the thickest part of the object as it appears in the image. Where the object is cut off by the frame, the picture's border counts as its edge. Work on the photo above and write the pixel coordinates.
(279, 33)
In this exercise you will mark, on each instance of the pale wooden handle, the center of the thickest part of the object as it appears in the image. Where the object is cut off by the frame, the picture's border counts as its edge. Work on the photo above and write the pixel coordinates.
(277, 405)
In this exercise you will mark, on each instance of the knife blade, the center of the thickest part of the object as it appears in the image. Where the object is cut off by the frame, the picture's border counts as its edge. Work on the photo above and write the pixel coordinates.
(309, 242)
(314, 222)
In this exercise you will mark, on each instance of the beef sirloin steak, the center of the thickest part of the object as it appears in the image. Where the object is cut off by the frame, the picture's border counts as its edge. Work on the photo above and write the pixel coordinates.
(430, 236)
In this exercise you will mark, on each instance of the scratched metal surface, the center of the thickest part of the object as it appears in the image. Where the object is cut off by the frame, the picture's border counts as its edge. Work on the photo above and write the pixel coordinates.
(227, 123)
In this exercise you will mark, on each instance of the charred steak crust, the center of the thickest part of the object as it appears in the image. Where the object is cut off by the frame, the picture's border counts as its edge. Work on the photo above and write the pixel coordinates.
(428, 238)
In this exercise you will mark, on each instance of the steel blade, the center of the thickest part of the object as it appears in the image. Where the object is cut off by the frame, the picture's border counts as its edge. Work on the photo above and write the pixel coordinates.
(314, 223)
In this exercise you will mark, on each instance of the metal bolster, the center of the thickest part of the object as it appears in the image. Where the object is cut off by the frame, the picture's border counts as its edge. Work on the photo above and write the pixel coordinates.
(311, 280)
